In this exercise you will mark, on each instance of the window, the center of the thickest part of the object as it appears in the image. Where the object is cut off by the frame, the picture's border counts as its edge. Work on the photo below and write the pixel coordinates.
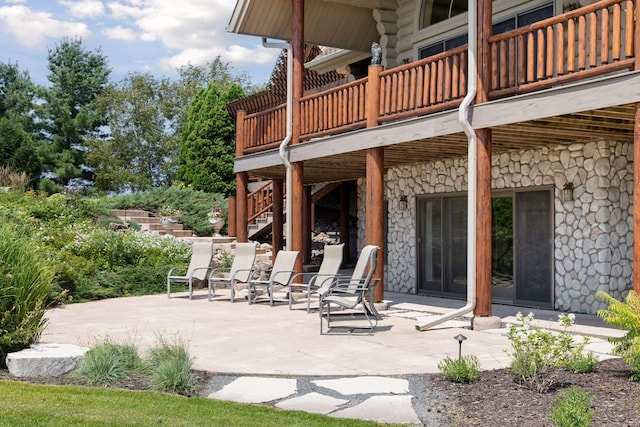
(517, 21)
(434, 11)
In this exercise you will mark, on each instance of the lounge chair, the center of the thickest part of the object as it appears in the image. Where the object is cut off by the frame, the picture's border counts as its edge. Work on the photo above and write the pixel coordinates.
(317, 283)
(280, 276)
(241, 270)
(201, 253)
(355, 293)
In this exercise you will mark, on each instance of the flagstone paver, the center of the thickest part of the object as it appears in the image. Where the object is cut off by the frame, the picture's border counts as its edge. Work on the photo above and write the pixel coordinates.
(383, 409)
(312, 402)
(371, 384)
(256, 390)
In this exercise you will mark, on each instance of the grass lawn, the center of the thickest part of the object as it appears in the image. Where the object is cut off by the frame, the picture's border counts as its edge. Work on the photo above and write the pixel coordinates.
(24, 404)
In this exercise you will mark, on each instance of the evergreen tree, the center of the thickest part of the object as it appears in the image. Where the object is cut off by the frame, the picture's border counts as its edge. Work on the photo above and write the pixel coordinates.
(207, 150)
(77, 77)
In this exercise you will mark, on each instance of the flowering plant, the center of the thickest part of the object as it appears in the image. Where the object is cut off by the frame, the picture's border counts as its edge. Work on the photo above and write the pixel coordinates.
(169, 211)
(216, 212)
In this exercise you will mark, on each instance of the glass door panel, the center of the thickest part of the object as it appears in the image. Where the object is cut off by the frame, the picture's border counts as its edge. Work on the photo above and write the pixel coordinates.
(533, 247)
(502, 248)
(456, 245)
(430, 245)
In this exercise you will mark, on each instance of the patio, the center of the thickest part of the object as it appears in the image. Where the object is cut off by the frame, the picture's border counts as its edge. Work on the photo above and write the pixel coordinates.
(237, 338)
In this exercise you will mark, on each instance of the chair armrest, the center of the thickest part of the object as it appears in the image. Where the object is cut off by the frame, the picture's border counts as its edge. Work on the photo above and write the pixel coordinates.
(198, 269)
(176, 268)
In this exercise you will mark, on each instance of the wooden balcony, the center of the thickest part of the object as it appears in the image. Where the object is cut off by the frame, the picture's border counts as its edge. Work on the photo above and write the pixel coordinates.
(581, 46)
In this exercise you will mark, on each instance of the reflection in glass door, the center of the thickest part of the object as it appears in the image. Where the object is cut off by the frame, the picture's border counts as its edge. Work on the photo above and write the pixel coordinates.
(502, 248)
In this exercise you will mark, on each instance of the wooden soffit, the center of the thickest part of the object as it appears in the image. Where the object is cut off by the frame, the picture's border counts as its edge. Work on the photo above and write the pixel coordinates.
(345, 25)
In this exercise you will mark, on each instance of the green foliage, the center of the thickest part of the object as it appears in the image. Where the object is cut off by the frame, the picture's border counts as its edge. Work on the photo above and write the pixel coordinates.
(87, 260)
(583, 363)
(107, 363)
(572, 408)
(463, 370)
(193, 204)
(207, 149)
(140, 150)
(537, 353)
(25, 284)
(169, 367)
(624, 315)
(77, 76)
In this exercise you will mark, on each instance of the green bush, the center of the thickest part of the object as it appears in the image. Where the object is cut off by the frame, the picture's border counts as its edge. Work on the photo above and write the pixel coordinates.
(463, 370)
(25, 285)
(107, 363)
(169, 367)
(572, 408)
(193, 204)
(624, 315)
(537, 353)
(583, 363)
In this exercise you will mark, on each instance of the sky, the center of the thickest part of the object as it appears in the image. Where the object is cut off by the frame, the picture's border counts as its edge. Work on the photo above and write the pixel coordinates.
(155, 36)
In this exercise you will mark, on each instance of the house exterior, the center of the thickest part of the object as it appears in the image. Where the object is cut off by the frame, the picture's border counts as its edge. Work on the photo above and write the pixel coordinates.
(556, 118)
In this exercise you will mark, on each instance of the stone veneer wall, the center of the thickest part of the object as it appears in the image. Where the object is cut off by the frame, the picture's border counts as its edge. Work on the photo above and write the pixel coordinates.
(593, 234)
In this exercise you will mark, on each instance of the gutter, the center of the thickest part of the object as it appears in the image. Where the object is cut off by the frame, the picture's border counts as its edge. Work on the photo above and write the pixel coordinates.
(472, 202)
(282, 150)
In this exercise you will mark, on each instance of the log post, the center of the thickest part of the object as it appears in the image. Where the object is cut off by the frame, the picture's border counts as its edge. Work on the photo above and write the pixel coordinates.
(296, 192)
(374, 213)
(344, 222)
(242, 223)
(636, 165)
(483, 184)
(232, 217)
(278, 217)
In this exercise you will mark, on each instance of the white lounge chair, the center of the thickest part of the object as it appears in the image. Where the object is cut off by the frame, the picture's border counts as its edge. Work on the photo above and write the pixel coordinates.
(241, 270)
(280, 276)
(197, 270)
(318, 283)
(355, 293)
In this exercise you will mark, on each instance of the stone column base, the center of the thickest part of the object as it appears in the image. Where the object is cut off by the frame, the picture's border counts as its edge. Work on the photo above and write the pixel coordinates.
(482, 323)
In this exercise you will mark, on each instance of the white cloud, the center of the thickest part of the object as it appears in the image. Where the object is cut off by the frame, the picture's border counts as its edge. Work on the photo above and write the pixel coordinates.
(84, 8)
(120, 33)
(234, 54)
(30, 28)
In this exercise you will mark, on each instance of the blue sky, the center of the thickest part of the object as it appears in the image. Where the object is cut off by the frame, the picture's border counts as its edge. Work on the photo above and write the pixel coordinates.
(155, 36)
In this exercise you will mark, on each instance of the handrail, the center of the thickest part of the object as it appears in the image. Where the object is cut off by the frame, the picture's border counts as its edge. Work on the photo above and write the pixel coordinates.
(260, 201)
(594, 40)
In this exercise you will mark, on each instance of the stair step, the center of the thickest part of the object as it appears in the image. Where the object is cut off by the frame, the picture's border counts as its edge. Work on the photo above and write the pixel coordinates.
(128, 213)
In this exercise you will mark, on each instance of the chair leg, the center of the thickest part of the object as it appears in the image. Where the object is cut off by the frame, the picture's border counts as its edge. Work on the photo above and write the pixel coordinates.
(190, 288)
(168, 288)
(233, 290)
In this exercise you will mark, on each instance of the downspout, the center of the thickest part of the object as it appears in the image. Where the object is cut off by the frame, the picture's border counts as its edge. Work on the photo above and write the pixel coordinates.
(282, 150)
(463, 118)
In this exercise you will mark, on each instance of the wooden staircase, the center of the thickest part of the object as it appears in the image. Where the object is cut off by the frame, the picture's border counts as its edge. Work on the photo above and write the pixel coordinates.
(150, 222)
(260, 206)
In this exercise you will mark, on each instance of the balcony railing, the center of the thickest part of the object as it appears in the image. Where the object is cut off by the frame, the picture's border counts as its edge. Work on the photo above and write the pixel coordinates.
(595, 40)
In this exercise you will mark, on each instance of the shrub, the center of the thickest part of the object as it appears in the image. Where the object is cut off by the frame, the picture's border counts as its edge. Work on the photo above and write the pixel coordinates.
(25, 285)
(583, 363)
(107, 363)
(537, 353)
(624, 315)
(572, 408)
(169, 367)
(462, 370)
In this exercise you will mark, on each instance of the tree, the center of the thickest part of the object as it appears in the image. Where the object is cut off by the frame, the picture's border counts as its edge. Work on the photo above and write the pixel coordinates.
(17, 124)
(207, 149)
(77, 77)
(141, 147)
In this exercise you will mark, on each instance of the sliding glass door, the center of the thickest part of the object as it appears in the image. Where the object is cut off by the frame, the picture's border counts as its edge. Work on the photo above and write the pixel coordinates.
(521, 247)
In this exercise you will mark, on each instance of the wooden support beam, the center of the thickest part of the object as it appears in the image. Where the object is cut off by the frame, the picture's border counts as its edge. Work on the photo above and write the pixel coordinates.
(374, 224)
(296, 192)
(306, 225)
(344, 222)
(278, 217)
(483, 225)
(242, 179)
(232, 217)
